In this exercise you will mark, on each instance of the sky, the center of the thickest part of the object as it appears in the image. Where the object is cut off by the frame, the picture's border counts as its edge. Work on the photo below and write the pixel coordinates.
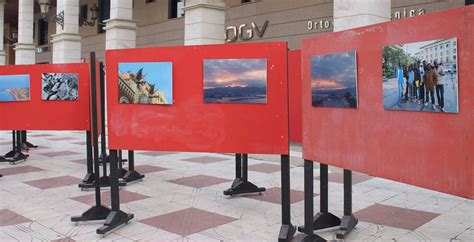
(14, 81)
(334, 72)
(235, 72)
(158, 73)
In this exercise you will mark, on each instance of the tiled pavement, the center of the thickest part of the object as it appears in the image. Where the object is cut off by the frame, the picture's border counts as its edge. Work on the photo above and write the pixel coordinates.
(181, 199)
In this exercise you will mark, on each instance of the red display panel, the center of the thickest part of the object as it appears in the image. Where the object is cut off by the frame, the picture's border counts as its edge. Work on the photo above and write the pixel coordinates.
(37, 114)
(189, 124)
(295, 82)
(430, 150)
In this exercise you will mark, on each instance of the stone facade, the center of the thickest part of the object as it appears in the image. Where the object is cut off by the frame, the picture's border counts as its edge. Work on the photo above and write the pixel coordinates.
(206, 22)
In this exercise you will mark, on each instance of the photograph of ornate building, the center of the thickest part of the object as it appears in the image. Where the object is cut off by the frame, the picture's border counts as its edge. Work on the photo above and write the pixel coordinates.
(145, 83)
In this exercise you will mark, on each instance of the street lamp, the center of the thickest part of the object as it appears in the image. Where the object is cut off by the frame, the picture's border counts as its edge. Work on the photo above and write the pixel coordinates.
(59, 19)
(44, 6)
(94, 11)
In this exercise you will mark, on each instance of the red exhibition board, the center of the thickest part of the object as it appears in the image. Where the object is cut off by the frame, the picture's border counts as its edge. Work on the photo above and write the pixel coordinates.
(190, 124)
(430, 150)
(294, 79)
(38, 114)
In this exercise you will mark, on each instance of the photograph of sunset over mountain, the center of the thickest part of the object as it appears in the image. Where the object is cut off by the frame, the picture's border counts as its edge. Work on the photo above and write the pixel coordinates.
(334, 80)
(235, 81)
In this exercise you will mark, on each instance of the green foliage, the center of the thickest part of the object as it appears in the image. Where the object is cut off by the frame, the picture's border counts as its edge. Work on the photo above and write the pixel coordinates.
(392, 56)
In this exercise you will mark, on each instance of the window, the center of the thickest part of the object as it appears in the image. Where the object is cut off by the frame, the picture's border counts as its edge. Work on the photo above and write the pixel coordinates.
(43, 32)
(83, 12)
(447, 45)
(104, 14)
(246, 1)
(149, 1)
(454, 57)
(175, 9)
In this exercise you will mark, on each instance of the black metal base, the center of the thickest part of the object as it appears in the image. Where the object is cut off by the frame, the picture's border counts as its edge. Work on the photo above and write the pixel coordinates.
(88, 178)
(13, 157)
(308, 238)
(29, 145)
(114, 220)
(104, 181)
(348, 222)
(286, 232)
(94, 213)
(240, 186)
(132, 176)
(323, 221)
(10, 154)
(122, 172)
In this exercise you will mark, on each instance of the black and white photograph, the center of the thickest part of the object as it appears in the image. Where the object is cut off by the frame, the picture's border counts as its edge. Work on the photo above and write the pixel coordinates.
(59, 86)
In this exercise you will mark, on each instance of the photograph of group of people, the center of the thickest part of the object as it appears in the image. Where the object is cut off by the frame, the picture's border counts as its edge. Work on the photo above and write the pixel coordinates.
(421, 76)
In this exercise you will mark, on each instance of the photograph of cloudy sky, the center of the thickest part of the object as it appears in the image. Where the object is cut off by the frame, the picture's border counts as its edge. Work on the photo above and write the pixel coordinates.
(235, 81)
(334, 80)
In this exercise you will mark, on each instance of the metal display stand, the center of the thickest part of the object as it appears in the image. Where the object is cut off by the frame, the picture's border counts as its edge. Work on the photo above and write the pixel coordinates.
(324, 219)
(104, 180)
(287, 230)
(131, 174)
(116, 216)
(241, 185)
(98, 212)
(16, 153)
(24, 141)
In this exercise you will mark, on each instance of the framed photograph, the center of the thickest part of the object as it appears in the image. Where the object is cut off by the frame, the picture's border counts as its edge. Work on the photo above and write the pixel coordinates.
(14, 88)
(421, 76)
(334, 80)
(235, 81)
(146, 83)
(60, 86)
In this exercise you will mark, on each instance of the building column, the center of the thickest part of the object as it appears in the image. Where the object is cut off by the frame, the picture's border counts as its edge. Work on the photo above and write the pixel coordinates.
(2, 22)
(350, 14)
(204, 22)
(120, 28)
(67, 40)
(25, 49)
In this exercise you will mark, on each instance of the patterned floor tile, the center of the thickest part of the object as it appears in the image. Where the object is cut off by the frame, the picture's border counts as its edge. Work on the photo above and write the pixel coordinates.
(188, 221)
(53, 182)
(125, 197)
(338, 177)
(265, 168)
(155, 153)
(205, 159)
(145, 169)
(79, 143)
(8, 217)
(61, 138)
(273, 195)
(59, 153)
(66, 239)
(402, 218)
(19, 170)
(80, 161)
(199, 181)
(39, 135)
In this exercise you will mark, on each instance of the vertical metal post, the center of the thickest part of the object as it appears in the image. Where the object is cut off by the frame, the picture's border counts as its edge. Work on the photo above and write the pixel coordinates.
(308, 199)
(347, 192)
(13, 140)
(131, 160)
(323, 186)
(90, 168)
(102, 112)
(18, 141)
(285, 190)
(238, 165)
(245, 167)
(95, 142)
(120, 159)
(114, 186)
